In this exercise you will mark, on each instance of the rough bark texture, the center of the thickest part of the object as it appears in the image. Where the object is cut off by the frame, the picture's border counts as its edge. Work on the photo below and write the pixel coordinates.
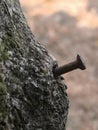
(31, 98)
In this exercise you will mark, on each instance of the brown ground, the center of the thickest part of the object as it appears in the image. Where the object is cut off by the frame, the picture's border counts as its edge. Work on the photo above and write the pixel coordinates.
(68, 27)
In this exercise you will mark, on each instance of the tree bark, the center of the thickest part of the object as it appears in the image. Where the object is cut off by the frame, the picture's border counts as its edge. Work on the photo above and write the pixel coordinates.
(31, 98)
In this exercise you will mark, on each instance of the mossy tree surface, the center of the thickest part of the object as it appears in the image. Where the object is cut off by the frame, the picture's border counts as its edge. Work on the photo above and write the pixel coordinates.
(31, 98)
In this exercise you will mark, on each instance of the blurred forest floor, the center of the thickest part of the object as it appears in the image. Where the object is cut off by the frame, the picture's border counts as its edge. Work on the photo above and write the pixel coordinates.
(68, 27)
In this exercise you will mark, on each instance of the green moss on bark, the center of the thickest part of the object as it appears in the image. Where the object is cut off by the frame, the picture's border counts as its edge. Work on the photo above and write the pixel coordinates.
(3, 53)
(3, 93)
(8, 43)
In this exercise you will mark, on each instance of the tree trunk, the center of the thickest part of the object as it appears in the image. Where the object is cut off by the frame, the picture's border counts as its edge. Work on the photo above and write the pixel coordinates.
(31, 98)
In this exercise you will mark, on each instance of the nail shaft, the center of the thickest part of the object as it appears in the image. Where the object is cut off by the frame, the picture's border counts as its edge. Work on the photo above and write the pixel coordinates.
(77, 64)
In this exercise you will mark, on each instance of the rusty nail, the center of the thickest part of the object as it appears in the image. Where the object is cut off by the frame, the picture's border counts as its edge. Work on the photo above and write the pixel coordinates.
(77, 64)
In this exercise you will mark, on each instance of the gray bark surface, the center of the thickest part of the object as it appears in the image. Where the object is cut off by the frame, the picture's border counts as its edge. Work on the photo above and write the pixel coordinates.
(31, 98)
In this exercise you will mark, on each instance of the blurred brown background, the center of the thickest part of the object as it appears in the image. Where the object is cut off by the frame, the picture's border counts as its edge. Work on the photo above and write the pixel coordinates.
(68, 27)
